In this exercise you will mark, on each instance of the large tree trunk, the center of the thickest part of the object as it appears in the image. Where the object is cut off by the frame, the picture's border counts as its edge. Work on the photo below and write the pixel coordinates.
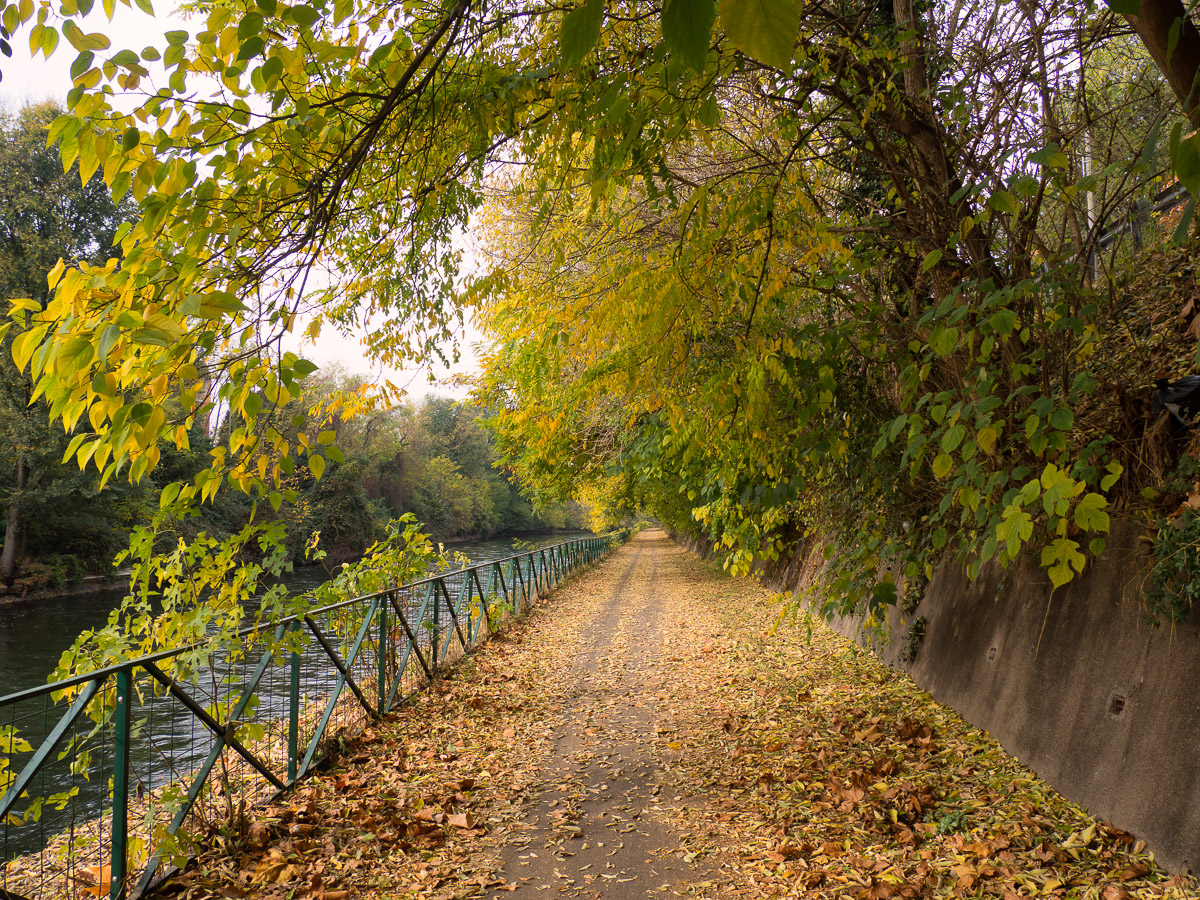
(8, 559)
(1153, 24)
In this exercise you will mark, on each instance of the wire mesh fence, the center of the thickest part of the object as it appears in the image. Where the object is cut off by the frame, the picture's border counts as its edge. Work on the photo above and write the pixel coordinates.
(107, 778)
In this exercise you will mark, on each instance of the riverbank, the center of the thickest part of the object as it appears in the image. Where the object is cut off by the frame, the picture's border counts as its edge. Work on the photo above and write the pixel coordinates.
(22, 591)
(652, 731)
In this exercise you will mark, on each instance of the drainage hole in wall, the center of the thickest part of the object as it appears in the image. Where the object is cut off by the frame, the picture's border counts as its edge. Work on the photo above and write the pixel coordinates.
(1116, 705)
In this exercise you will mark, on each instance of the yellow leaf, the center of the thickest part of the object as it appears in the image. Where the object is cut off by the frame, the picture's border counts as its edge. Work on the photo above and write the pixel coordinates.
(943, 463)
(316, 465)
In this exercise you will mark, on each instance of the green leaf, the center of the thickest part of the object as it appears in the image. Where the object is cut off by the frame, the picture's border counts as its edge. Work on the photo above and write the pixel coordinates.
(145, 6)
(687, 27)
(764, 30)
(252, 404)
(96, 41)
(1125, 7)
(250, 26)
(1060, 574)
(943, 341)
(153, 336)
(60, 125)
(1062, 419)
(1015, 529)
(74, 34)
(1051, 157)
(953, 437)
(1003, 201)
(108, 339)
(304, 16)
(131, 139)
(1090, 515)
(125, 59)
(580, 32)
(168, 495)
(49, 41)
(304, 367)
(1173, 35)
(931, 259)
(883, 594)
(251, 48)
(271, 70)
(82, 63)
(1115, 469)
(1003, 321)
(1185, 160)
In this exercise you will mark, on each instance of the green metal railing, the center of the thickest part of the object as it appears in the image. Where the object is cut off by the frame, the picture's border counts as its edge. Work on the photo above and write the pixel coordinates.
(196, 737)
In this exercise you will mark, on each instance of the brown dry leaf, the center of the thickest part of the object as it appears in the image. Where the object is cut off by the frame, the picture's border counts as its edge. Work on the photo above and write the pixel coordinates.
(878, 890)
(1137, 870)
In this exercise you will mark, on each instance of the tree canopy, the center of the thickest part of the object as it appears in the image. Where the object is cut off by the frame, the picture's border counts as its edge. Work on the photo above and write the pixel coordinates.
(767, 269)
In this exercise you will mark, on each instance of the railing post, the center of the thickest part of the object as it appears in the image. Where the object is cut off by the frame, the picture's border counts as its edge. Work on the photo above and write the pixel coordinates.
(119, 860)
(437, 629)
(294, 713)
(383, 657)
(465, 595)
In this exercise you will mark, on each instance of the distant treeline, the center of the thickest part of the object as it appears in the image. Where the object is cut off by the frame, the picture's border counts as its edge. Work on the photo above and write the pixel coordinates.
(433, 459)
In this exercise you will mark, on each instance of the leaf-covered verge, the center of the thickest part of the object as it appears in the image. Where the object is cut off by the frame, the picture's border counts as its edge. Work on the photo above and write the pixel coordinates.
(807, 769)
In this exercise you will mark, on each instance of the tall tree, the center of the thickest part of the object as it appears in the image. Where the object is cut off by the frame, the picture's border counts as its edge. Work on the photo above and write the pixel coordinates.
(46, 215)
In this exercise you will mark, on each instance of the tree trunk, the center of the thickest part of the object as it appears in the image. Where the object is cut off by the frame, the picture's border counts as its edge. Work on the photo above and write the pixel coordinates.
(1153, 24)
(8, 559)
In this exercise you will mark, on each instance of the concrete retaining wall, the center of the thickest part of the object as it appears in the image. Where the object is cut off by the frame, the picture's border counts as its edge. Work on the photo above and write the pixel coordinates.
(1074, 684)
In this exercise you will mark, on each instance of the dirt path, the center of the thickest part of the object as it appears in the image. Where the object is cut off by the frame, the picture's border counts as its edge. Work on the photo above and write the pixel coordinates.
(602, 823)
(650, 730)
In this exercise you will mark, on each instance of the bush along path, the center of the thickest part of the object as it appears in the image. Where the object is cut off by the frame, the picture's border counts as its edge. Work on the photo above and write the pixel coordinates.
(647, 732)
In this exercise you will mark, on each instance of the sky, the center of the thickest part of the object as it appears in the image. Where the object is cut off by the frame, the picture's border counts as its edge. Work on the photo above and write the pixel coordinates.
(29, 79)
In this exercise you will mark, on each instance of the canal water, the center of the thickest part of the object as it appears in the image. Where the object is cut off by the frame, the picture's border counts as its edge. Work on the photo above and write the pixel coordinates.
(34, 635)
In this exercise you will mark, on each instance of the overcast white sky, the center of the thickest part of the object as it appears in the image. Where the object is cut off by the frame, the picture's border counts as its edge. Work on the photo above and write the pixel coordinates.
(29, 79)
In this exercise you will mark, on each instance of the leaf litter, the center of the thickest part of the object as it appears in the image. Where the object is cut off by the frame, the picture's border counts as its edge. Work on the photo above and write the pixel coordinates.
(786, 762)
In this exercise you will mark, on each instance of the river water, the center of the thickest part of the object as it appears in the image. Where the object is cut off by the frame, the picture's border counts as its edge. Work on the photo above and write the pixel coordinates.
(33, 635)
